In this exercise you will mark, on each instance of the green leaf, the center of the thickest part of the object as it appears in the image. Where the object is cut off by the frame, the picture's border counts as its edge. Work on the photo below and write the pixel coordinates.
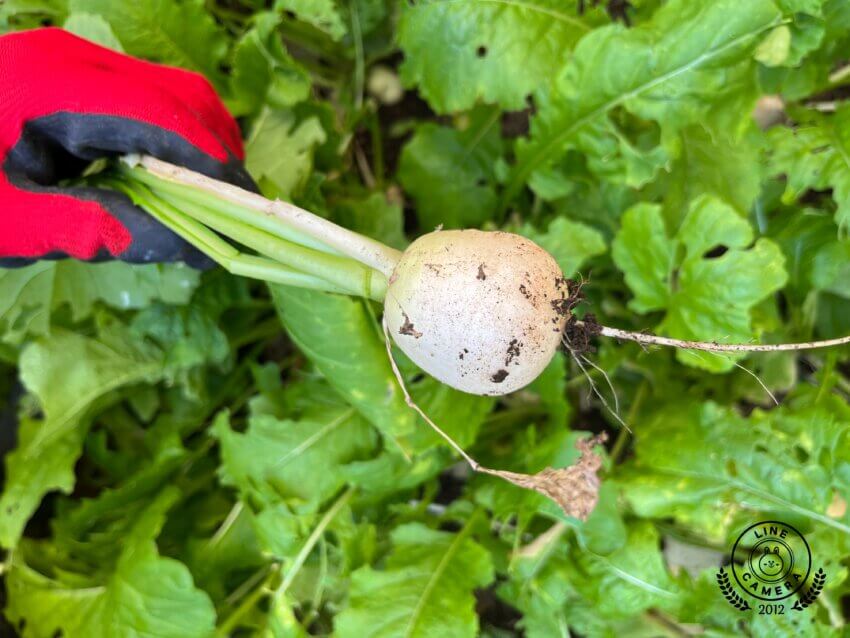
(26, 301)
(278, 528)
(147, 595)
(93, 28)
(551, 387)
(321, 14)
(268, 462)
(462, 52)
(96, 528)
(374, 216)
(68, 374)
(281, 621)
(337, 334)
(782, 461)
(28, 295)
(629, 580)
(691, 63)
(831, 268)
(234, 546)
(704, 298)
(561, 586)
(73, 376)
(369, 14)
(188, 337)
(713, 164)
(263, 70)
(390, 473)
(450, 174)
(702, 604)
(29, 14)
(815, 155)
(775, 48)
(570, 243)
(645, 255)
(605, 532)
(808, 238)
(805, 32)
(32, 470)
(819, 38)
(424, 589)
(460, 415)
(279, 151)
(178, 33)
(121, 286)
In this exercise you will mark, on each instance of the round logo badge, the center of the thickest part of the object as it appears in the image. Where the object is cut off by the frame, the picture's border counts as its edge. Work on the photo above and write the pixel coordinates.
(771, 560)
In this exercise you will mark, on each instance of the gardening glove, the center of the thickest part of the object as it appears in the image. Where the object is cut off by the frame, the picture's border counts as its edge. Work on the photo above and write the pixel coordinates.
(65, 102)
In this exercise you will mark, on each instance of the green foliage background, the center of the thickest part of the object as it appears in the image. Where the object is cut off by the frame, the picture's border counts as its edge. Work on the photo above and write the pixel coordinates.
(200, 455)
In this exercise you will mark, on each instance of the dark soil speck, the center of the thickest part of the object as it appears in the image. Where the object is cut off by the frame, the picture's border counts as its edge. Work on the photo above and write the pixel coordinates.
(500, 376)
(513, 351)
(408, 329)
(579, 335)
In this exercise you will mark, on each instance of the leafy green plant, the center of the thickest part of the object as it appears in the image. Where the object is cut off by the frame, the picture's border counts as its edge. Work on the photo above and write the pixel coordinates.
(207, 454)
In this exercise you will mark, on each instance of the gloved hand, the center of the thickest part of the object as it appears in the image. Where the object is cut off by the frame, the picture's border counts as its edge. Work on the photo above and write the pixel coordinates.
(64, 102)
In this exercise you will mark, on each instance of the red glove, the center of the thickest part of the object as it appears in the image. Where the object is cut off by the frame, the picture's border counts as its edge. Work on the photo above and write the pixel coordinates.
(64, 102)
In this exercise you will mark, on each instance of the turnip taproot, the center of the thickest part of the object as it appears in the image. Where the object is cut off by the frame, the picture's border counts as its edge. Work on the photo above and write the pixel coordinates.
(483, 312)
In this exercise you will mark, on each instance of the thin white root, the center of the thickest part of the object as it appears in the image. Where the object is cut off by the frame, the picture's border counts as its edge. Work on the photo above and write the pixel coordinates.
(363, 249)
(712, 346)
(615, 411)
(607, 381)
(412, 404)
(760, 382)
(748, 371)
(575, 489)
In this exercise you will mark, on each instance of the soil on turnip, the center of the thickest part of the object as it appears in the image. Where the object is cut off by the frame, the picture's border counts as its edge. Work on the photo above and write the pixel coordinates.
(408, 329)
(500, 376)
(578, 333)
(514, 349)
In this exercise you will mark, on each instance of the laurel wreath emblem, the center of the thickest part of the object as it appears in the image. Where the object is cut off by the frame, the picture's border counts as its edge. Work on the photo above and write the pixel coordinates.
(812, 594)
(731, 595)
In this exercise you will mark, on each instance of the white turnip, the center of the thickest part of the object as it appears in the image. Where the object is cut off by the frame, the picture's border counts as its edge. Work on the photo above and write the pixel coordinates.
(481, 311)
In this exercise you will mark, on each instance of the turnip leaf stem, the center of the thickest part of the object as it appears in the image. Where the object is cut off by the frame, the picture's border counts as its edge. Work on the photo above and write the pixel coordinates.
(344, 272)
(358, 282)
(364, 249)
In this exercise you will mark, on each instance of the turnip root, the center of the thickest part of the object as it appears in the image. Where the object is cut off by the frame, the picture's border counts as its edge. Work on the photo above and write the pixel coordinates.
(482, 312)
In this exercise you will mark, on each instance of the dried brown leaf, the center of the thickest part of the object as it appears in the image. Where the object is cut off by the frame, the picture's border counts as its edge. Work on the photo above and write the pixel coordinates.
(575, 489)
